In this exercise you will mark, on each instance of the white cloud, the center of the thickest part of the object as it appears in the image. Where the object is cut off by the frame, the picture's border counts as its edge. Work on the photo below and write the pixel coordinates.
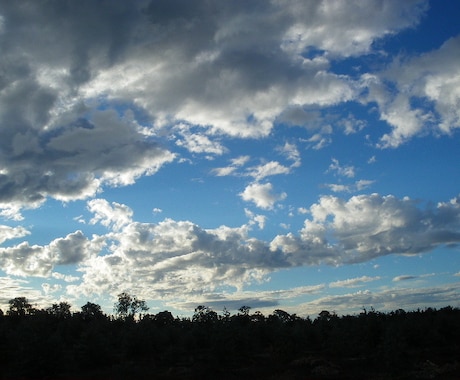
(359, 185)
(258, 219)
(321, 139)
(230, 170)
(352, 27)
(64, 277)
(200, 143)
(363, 184)
(115, 214)
(257, 172)
(36, 260)
(292, 153)
(351, 125)
(268, 169)
(338, 188)
(51, 288)
(176, 257)
(368, 226)
(352, 282)
(342, 171)
(7, 233)
(262, 195)
(432, 78)
(179, 257)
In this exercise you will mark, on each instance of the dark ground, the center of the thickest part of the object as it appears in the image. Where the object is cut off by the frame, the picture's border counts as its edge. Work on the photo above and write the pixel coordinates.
(398, 345)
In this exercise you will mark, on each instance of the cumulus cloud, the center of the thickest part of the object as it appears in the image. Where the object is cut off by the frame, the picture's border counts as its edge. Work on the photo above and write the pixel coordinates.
(161, 260)
(262, 195)
(355, 31)
(7, 233)
(368, 226)
(113, 215)
(431, 79)
(180, 255)
(86, 107)
(174, 257)
(39, 261)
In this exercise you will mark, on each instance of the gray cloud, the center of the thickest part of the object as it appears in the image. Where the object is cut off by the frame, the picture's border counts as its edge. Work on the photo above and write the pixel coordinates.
(231, 68)
(432, 77)
(385, 300)
(39, 261)
(404, 278)
(368, 226)
(7, 233)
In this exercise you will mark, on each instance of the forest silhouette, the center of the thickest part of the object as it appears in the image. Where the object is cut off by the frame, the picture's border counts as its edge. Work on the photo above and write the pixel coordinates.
(57, 343)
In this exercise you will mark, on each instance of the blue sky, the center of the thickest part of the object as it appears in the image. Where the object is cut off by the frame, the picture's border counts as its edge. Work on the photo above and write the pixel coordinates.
(295, 155)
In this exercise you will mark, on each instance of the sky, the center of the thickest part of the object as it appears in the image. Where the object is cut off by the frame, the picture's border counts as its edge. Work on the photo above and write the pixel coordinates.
(285, 154)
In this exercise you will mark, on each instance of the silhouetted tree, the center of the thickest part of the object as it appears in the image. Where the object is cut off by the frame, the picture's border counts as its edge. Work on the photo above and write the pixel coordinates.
(91, 311)
(204, 314)
(282, 315)
(163, 318)
(402, 345)
(20, 306)
(244, 310)
(60, 310)
(128, 306)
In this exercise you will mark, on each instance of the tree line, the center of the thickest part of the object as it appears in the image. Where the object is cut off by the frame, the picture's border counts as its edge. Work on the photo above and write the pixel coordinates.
(132, 343)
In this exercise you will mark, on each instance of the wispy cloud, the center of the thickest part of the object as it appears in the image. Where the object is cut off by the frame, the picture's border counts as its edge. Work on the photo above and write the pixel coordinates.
(353, 282)
(341, 170)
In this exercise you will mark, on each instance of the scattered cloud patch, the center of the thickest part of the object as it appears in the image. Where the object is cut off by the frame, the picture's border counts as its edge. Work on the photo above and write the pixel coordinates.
(359, 185)
(341, 171)
(262, 195)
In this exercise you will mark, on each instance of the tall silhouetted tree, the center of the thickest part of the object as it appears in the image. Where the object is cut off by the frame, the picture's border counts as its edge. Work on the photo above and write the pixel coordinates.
(128, 306)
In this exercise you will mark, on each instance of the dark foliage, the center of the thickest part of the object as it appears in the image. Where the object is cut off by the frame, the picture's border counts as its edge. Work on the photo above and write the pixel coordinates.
(55, 343)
